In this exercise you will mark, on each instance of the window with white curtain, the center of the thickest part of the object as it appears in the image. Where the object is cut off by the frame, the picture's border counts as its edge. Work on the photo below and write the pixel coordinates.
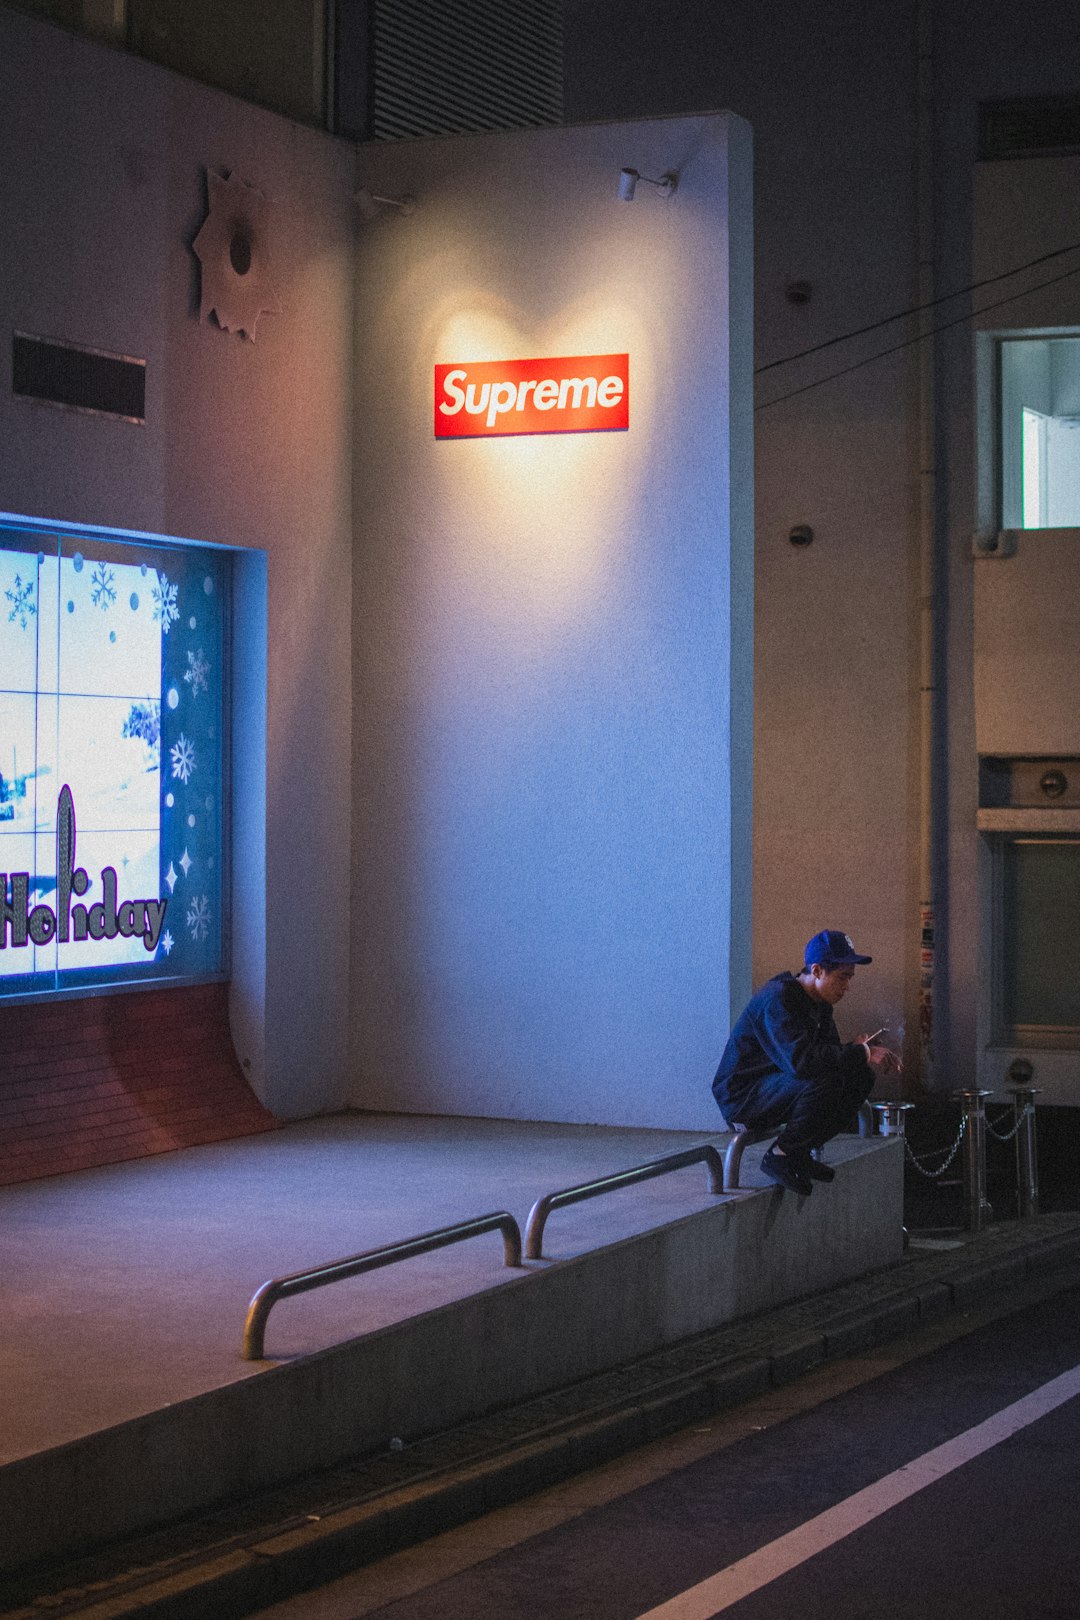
(1040, 432)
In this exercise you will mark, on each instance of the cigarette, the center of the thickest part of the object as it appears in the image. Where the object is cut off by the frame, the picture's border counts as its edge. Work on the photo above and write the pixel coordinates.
(870, 1039)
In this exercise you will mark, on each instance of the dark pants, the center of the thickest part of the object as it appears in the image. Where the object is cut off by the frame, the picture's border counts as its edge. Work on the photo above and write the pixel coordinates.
(804, 1113)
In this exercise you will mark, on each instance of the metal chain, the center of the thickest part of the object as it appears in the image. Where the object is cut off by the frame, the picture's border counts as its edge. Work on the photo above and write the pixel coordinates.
(1007, 1136)
(932, 1175)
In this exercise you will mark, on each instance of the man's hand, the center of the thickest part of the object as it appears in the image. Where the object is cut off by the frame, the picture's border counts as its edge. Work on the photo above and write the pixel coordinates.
(882, 1060)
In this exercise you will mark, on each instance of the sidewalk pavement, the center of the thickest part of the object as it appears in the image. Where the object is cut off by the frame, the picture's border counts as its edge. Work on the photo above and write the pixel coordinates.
(259, 1551)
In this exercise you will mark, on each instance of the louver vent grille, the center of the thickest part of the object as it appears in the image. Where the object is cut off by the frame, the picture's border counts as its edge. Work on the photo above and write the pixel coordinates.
(1029, 128)
(82, 379)
(465, 65)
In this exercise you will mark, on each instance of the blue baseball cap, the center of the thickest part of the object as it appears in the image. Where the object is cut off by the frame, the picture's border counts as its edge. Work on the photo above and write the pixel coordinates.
(833, 948)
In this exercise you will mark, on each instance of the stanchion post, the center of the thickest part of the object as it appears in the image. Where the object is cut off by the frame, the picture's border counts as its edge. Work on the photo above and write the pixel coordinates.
(977, 1210)
(891, 1119)
(1027, 1163)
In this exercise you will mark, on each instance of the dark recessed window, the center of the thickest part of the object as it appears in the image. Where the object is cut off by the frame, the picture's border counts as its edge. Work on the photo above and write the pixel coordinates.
(82, 379)
(1037, 948)
(1029, 126)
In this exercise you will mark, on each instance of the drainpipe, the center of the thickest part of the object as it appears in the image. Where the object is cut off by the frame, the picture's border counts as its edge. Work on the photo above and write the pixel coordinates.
(924, 199)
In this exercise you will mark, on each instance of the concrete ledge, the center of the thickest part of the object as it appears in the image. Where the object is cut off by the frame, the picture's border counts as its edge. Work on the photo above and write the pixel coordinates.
(402, 1497)
(560, 1322)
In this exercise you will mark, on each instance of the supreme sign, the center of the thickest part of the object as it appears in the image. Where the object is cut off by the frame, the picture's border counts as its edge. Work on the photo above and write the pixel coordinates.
(574, 394)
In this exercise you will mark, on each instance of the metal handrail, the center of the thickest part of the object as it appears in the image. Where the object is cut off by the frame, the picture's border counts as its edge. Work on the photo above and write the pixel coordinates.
(742, 1138)
(300, 1282)
(534, 1226)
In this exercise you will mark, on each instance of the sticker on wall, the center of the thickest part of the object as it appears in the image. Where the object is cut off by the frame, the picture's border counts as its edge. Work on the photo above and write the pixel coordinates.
(572, 394)
(233, 249)
(23, 924)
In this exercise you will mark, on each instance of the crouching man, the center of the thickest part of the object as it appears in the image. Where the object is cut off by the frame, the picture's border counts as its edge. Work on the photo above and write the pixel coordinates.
(786, 1069)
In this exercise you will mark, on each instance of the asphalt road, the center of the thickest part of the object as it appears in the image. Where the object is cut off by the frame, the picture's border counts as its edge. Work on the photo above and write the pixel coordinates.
(933, 1487)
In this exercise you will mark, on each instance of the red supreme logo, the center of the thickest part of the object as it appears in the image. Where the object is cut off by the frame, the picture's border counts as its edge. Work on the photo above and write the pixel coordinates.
(575, 394)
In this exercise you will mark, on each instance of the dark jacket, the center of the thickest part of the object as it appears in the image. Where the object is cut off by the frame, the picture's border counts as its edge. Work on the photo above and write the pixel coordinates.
(782, 1030)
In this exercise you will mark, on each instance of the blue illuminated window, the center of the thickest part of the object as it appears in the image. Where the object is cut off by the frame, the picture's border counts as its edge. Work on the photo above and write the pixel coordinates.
(113, 687)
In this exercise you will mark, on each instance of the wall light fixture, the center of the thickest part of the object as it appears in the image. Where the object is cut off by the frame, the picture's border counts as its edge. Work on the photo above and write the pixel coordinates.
(629, 178)
(371, 204)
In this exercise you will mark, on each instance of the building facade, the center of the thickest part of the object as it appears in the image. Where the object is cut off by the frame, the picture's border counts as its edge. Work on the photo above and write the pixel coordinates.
(916, 762)
(905, 155)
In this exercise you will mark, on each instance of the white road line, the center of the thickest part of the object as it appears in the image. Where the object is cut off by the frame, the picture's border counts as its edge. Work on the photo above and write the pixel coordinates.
(738, 1580)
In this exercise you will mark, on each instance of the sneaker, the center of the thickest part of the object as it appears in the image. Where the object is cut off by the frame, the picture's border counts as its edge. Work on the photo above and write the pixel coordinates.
(787, 1172)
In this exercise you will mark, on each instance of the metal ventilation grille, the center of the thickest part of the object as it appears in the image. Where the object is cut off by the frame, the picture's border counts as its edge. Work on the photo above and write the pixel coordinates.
(1032, 127)
(463, 65)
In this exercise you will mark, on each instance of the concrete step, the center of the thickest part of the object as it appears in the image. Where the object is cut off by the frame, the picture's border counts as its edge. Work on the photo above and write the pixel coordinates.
(284, 1541)
(556, 1323)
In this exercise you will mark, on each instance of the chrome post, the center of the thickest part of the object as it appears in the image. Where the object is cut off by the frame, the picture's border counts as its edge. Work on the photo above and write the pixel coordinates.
(977, 1210)
(891, 1117)
(1027, 1163)
(892, 1121)
(742, 1139)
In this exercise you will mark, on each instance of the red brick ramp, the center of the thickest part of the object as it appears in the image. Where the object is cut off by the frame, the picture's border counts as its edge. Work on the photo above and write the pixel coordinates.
(100, 1079)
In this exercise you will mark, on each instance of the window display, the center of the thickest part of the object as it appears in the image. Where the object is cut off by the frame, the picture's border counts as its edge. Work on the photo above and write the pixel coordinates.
(112, 780)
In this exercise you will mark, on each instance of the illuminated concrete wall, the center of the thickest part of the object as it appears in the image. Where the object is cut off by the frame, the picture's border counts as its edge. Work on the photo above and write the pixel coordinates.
(102, 189)
(552, 634)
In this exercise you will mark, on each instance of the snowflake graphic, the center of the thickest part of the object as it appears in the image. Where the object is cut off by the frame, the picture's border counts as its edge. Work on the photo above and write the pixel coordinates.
(198, 917)
(183, 758)
(103, 587)
(144, 720)
(20, 598)
(166, 611)
(197, 673)
(167, 942)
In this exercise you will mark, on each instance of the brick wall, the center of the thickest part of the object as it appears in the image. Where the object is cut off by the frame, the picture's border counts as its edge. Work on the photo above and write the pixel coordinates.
(99, 1079)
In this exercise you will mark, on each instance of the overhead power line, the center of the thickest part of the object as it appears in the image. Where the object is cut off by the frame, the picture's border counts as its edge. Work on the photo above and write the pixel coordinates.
(918, 338)
(916, 309)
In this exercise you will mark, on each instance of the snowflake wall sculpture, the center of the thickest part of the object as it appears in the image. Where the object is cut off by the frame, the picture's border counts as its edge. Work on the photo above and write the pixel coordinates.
(233, 249)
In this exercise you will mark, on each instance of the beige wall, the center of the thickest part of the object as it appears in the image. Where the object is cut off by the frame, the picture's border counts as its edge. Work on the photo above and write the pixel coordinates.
(102, 189)
(834, 106)
(1026, 583)
(1027, 649)
(836, 666)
